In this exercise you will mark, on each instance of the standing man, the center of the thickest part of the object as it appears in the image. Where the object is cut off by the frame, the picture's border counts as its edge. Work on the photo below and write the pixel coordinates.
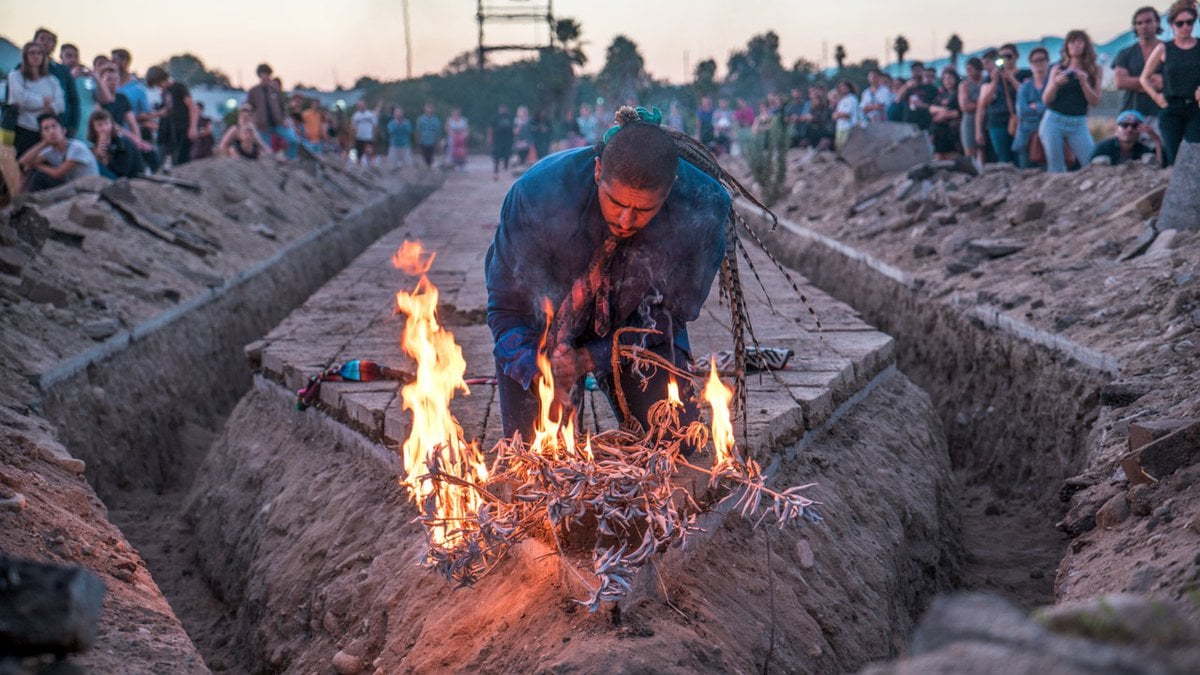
(876, 98)
(399, 131)
(139, 99)
(1128, 66)
(916, 96)
(364, 122)
(62, 73)
(500, 138)
(429, 128)
(650, 224)
(267, 99)
(182, 115)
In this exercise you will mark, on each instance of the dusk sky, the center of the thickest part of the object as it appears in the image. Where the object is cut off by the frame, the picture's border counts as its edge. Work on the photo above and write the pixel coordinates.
(326, 42)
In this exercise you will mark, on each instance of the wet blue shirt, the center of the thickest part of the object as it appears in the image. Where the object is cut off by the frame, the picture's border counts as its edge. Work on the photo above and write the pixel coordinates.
(550, 226)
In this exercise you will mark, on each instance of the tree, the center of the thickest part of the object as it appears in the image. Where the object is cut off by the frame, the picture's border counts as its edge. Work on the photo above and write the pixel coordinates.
(705, 83)
(366, 82)
(901, 48)
(623, 73)
(839, 55)
(955, 47)
(758, 69)
(567, 32)
(190, 70)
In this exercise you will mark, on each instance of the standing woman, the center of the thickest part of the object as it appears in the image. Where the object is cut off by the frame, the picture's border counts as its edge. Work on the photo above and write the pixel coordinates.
(1180, 97)
(968, 100)
(946, 116)
(33, 92)
(846, 114)
(1074, 84)
(457, 134)
(1030, 106)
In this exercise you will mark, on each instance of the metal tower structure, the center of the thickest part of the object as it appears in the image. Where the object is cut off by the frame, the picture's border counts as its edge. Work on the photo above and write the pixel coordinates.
(529, 12)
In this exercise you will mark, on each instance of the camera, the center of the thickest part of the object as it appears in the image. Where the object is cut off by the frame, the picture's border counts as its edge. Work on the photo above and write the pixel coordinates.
(999, 63)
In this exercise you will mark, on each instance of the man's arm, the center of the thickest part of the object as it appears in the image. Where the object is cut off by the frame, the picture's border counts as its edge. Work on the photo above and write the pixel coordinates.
(511, 306)
(32, 155)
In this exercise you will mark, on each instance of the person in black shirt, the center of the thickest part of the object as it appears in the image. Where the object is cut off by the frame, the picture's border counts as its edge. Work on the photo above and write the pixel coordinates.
(1180, 97)
(1126, 145)
(919, 95)
(1128, 66)
(181, 113)
(500, 137)
(115, 154)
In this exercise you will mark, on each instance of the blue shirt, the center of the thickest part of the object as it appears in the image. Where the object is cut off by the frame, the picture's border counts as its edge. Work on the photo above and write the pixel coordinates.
(429, 127)
(399, 132)
(550, 226)
(138, 98)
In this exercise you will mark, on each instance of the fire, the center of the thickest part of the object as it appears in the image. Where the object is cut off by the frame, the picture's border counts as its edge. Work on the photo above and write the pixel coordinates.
(553, 436)
(719, 396)
(673, 393)
(435, 444)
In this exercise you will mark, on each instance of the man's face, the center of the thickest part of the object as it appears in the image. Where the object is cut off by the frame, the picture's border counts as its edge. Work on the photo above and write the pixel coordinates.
(52, 131)
(121, 61)
(918, 74)
(1127, 130)
(46, 40)
(1145, 25)
(627, 210)
(69, 57)
(111, 78)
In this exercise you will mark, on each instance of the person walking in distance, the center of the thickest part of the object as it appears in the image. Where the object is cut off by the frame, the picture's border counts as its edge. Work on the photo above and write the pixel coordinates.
(500, 138)
(400, 132)
(429, 129)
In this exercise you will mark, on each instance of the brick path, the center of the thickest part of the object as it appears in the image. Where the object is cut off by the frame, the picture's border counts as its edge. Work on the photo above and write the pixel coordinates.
(352, 317)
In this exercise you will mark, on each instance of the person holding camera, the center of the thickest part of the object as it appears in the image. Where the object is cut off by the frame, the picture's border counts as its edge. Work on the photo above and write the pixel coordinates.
(995, 119)
(1073, 86)
(1180, 97)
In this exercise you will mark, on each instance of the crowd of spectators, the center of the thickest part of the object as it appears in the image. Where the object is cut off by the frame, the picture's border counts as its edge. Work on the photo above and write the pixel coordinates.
(992, 111)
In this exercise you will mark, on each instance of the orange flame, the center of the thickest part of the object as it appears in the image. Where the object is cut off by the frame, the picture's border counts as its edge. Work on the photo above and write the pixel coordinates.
(435, 441)
(718, 397)
(552, 435)
(673, 393)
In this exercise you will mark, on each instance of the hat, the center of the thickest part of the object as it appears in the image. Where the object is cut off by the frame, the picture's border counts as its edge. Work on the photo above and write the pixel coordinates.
(1126, 114)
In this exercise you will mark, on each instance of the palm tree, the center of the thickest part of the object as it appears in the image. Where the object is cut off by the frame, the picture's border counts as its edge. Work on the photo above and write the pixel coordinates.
(955, 47)
(567, 32)
(901, 47)
(839, 55)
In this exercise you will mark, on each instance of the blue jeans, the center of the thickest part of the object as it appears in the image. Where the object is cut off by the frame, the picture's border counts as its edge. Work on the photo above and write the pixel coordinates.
(1057, 130)
(1001, 144)
(287, 134)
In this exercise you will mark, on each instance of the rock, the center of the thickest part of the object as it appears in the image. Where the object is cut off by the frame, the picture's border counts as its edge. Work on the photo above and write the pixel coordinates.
(1114, 511)
(1145, 432)
(48, 609)
(1143, 242)
(993, 202)
(1029, 212)
(880, 149)
(55, 453)
(39, 290)
(14, 503)
(959, 267)
(1162, 244)
(1122, 619)
(923, 251)
(1163, 457)
(1087, 185)
(930, 169)
(994, 248)
(904, 188)
(262, 231)
(31, 227)
(946, 217)
(964, 202)
(804, 554)
(1140, 500)
(347, 664)
(1117, 394)
(101, 329)
(205, 277)
(67, 236)
(12, 260)
(88, 216)
(1181, 203)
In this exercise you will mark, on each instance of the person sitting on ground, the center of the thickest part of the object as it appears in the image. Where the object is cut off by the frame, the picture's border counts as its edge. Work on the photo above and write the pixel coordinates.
(116, 155)
(242, 139)
(182, 114)
(1127, 145)
(34, 92)
(1180, 98)
(56, 159)
(632, 207)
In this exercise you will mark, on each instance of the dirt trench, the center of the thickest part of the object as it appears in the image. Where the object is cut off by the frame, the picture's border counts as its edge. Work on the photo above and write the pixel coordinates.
(1016, 412)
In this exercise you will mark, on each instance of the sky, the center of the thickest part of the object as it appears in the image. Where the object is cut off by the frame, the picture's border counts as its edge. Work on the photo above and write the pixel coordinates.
(328, 42)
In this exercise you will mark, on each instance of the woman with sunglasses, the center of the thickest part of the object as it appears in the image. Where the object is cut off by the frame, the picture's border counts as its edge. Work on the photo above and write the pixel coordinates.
(1180, 97)
(1074, 85)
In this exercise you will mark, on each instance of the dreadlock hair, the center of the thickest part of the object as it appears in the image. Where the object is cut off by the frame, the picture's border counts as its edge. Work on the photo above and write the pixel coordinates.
(640, 155)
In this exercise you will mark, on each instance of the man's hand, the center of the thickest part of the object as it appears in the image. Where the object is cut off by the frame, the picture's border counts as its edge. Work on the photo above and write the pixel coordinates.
(568, 365)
